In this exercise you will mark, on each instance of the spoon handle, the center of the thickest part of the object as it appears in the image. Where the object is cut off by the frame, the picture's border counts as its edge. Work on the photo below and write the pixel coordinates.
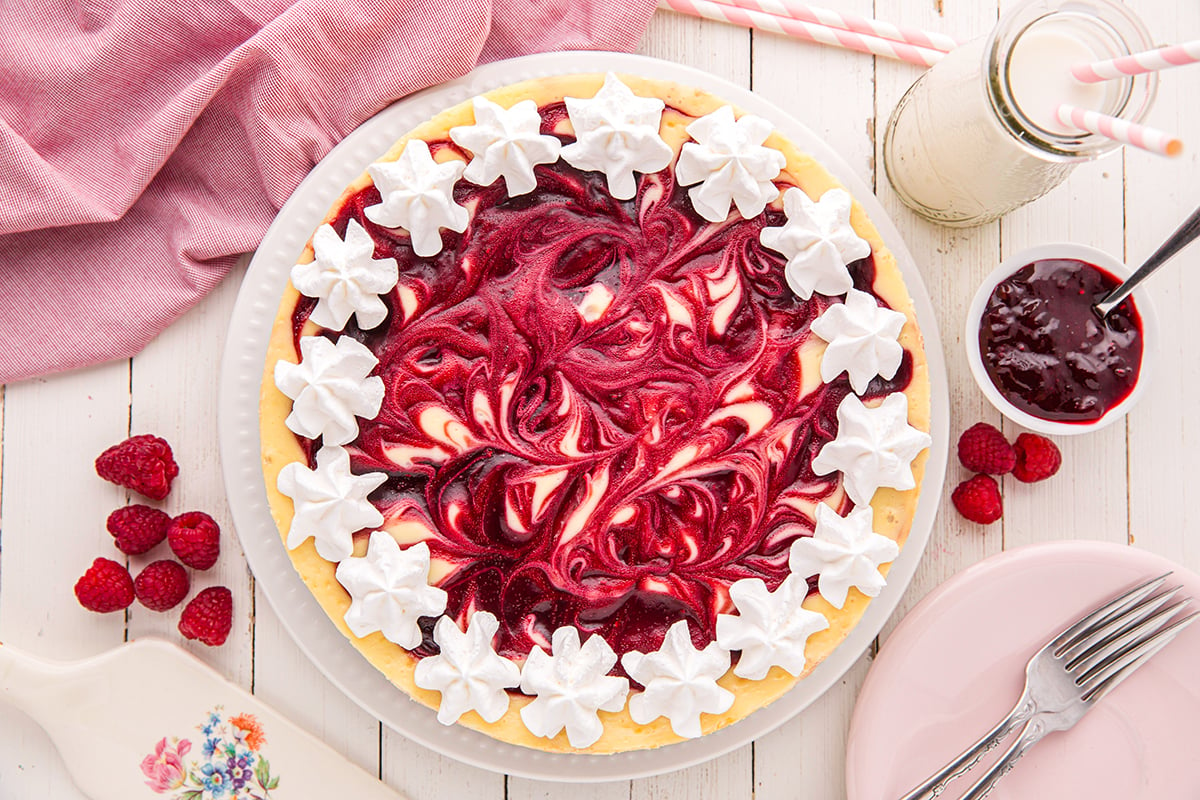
(1181, 238)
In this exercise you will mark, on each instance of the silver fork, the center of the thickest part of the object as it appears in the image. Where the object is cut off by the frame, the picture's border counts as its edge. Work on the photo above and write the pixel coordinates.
(1069, 675)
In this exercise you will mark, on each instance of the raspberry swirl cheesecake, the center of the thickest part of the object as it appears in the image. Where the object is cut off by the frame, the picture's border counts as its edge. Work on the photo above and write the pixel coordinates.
(594, 413)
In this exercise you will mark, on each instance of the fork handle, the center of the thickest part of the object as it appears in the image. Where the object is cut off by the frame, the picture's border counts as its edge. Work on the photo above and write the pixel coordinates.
(936, 783)
(1031, 734)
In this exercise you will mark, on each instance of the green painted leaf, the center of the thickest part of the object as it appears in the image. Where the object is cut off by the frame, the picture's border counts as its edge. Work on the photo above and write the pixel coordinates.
(272, 783)
(262, 771)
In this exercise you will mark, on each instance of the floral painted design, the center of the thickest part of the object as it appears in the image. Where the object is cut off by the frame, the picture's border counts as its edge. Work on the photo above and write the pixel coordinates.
(231, 765)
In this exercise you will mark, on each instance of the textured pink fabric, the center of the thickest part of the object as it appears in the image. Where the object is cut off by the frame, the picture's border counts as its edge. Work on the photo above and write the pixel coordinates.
(144, 144)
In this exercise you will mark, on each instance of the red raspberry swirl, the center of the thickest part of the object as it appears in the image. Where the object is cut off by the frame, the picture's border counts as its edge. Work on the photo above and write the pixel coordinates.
(595, 406)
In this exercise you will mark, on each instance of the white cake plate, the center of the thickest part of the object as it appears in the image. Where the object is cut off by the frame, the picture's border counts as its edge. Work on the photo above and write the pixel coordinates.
(241, 374)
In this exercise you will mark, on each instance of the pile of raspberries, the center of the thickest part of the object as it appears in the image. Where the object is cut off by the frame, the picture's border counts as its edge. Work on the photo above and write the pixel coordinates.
(146, 465)
(983, 449)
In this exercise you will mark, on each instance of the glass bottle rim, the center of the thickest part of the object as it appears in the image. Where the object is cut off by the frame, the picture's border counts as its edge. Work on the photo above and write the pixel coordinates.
(1118, 23)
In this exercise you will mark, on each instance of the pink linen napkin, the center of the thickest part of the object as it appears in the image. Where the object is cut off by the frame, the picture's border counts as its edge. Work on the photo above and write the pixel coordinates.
(145, 144)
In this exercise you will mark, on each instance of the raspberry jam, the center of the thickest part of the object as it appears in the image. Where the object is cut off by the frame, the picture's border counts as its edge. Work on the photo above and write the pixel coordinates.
(1048, 351)
(594, 407)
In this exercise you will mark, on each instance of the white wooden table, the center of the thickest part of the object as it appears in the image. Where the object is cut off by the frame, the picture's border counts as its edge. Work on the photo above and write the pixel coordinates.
(1129, 483)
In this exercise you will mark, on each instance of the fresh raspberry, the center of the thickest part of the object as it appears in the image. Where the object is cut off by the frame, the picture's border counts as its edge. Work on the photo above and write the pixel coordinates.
(137, 529)
(141, 463)
(105, 587)
(982, 448)
(209, 616)
(162, 585)
(1037, 458)
(978, 499)
(195, 539)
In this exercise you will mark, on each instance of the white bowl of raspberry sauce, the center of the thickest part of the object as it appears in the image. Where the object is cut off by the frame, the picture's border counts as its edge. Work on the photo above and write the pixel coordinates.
(1043, 357)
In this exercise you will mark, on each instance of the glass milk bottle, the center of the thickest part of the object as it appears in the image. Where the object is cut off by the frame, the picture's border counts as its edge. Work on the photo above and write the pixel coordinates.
(977, 135)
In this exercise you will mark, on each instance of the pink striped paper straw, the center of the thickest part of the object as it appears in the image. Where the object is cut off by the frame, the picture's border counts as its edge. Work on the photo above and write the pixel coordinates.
(850, 22)
(798, 29)
(1120, 130)
(1175, 55)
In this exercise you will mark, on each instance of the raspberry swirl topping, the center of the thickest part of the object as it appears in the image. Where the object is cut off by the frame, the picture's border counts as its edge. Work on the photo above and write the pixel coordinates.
(616, 473)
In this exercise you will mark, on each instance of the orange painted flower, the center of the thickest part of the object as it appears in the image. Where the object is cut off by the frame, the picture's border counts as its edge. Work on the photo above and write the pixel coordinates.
(249, 725)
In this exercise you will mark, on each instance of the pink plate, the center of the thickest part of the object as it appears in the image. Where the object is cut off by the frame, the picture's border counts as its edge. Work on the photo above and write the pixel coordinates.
(955, 666)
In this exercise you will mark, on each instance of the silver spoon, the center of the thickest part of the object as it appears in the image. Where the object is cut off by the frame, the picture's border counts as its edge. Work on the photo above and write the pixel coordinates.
(1178, 240)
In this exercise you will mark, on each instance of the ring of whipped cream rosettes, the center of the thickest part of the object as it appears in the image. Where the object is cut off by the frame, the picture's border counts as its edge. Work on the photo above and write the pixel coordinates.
(617, 133)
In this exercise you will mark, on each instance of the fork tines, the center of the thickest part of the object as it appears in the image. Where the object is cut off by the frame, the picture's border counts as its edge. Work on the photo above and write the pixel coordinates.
(1104, 647)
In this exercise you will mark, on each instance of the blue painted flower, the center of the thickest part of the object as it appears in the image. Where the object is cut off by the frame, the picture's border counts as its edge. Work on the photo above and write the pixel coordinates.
(215, 780)
(210, 747)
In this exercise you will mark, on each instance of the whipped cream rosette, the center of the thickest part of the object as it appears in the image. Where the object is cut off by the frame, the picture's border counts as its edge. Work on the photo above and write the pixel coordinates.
(506, 143)
(346, 278)
(467, 671)
(636, 434)
(417, 195)
(389, 590)
(617, 133)
(680, 682)
(730, 164)
(571, 687)
(329, 502)
(818, 241)
(330, 388)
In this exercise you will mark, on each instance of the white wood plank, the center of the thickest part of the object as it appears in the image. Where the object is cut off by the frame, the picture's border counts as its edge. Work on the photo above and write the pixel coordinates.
(715, 47)
(174, 395)
(830, 90)
(422, 774)
(806, 757)
(1164, 435)
(953, 263)
(724, 778)
(286, 679)
(53, 507)
(522, 789)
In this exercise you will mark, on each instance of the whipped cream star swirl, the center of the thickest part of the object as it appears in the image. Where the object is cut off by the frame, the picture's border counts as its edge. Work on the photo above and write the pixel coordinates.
(874, 447)
(771, 628)
(345, 278)
(330, 388)
(572, 687)
(680, 681)
(417, 194)
(330, 503)
(616, 132)
(467, 671)
(863, 340)
(389, 590)
(506, 143)
(818, 242)
(730, 164)
(843, 552)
